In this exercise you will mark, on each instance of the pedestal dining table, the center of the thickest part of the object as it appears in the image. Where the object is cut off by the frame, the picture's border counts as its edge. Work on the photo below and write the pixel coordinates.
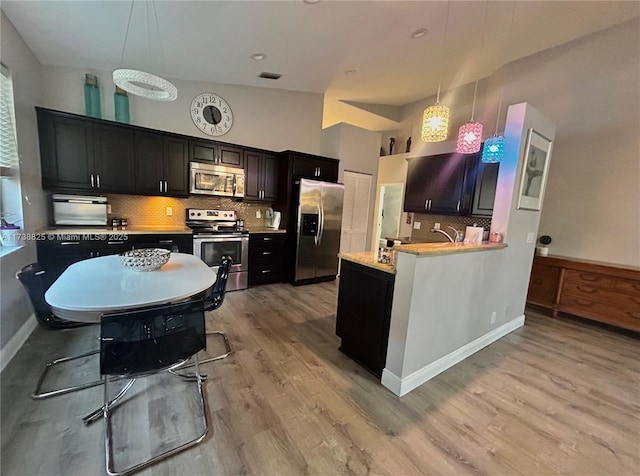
(88, 289)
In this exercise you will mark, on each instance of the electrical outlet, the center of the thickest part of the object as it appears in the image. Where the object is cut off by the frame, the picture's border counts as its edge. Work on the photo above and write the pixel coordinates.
(169, 211)
(436, 226)
(258, 214)
(493, 317)
(108, 208)
(416, 225)
(530, 237)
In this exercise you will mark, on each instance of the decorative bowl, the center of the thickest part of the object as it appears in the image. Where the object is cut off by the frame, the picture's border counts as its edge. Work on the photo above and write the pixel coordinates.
(145, 259)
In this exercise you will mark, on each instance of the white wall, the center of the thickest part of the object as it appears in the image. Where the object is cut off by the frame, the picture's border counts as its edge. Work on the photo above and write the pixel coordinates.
(25, 73)
(590, 88)
(357, 149)
(271, 119)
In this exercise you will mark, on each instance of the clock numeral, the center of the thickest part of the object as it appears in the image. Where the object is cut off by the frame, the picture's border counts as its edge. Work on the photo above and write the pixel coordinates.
(197, 119)
(199, 105)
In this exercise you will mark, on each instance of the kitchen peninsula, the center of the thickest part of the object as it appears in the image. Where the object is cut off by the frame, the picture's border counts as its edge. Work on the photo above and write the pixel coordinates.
(398, 320)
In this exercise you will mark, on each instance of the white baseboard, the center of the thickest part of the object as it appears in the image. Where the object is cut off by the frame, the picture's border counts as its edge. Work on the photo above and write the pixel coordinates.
(12, 347)
(402, 386)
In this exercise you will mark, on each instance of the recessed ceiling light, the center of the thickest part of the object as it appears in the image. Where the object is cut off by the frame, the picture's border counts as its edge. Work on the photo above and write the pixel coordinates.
(419, 33)
(350, 72)
(258, 56)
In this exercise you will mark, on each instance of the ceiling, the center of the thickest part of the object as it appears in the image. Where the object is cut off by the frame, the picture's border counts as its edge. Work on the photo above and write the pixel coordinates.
(311, 44)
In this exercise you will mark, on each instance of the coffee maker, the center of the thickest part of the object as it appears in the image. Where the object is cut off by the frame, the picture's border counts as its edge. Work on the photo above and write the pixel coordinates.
(273, 218)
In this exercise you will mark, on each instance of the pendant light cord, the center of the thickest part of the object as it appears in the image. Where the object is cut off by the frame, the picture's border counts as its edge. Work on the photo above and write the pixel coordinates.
(126, 35)
(513, 16)
(446, 27)
(475, 89)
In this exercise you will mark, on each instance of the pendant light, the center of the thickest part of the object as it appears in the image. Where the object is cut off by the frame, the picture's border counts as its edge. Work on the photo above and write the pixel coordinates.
(470, 134)
(435, 120)
(493, 151)
(141, 83)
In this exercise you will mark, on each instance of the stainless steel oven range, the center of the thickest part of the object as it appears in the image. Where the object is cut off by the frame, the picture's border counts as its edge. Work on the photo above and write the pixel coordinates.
(216, 234)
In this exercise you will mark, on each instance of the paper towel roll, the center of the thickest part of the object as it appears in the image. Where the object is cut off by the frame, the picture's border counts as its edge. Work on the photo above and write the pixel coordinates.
(473, 235)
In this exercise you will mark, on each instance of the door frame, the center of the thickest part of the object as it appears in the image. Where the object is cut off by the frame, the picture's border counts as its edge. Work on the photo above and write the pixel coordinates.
(380, 195)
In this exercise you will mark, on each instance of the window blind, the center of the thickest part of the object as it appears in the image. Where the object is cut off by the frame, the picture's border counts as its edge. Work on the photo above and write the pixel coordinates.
(8, 143)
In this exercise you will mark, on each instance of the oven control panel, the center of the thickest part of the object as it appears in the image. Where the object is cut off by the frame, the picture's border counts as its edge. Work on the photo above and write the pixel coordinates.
(211, 215)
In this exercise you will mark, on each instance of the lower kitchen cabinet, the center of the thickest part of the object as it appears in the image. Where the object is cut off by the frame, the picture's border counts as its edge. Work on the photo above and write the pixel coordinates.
(365, 297)
(266, 252)
(57, 254)
(597, 291)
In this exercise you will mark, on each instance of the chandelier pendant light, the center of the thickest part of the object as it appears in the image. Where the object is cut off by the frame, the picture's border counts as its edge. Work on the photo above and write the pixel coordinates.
(435, 120)
(493, 150)
(470, 134)
(141, 83)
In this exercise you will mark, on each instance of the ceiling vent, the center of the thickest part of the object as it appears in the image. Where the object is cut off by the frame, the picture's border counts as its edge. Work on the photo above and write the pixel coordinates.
(266, 75)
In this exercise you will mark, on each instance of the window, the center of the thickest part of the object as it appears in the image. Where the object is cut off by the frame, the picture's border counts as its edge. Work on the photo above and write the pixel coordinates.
(10, 196)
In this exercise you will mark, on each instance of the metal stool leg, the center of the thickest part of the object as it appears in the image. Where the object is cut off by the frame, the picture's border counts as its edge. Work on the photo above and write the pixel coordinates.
(99, 413)
(38, 395)
(188, 364)
(111, 471)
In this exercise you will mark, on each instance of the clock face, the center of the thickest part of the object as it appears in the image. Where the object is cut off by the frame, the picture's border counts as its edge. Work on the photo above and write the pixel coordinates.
(211, 114)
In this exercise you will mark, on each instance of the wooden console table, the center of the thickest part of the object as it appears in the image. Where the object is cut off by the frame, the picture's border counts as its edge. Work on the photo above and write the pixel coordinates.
(590, 289)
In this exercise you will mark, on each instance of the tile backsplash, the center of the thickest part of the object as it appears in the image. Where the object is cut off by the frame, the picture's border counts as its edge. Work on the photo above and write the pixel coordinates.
(151, 211)
(427, 223)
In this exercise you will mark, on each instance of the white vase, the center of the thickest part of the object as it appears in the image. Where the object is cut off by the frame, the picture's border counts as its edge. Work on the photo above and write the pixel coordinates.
(543, 250)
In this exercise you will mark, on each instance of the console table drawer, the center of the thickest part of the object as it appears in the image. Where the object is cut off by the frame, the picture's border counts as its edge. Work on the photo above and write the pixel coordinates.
(601, 281)
(604, 296)
(618, 316)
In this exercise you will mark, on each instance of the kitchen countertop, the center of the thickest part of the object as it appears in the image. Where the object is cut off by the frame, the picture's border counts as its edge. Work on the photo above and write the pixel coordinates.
(368, 258)
(254, 229)
(436, 249)
(130, 230)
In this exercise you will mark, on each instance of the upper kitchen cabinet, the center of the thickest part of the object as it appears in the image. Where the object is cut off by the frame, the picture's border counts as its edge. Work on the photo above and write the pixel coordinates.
(485, 191)
(161, 165)
(261, 176)
(313, 167)
(441, 184)
(82, 154)
(216, 153)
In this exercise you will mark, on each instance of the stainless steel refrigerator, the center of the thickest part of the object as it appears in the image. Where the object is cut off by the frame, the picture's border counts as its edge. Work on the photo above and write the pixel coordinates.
(318, 225)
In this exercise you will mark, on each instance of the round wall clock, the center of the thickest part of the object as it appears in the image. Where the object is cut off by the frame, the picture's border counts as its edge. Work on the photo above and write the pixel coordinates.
(211, 114)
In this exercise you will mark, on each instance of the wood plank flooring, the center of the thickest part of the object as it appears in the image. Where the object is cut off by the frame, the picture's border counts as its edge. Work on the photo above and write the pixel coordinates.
(555, 397)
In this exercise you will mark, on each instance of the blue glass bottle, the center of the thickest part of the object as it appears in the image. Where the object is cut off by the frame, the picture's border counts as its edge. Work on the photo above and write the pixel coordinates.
(121, 102)
(92, 96)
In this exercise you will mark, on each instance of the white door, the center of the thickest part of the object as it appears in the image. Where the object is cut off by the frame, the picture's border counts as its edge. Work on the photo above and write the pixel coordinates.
(355, 212)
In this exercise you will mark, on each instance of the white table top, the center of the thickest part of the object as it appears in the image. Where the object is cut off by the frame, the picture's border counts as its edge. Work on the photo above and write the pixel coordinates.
(96, 286)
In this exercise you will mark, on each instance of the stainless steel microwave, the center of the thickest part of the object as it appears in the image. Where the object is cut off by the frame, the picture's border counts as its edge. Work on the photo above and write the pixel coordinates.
(217, 180)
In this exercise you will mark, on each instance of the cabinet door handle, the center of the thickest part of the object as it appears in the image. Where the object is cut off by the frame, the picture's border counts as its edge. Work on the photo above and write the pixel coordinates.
(458, 206)
(92, 185)
(165, 241)
(267, 252)
(265, 271)
(160, 183)
(98, 180)
(426, 204)
(267, 239)
(66, 243)
(165, 186)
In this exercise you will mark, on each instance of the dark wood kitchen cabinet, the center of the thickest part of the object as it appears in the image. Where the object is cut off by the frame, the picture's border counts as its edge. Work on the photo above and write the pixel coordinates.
(266, 251)
(80, 154)
(261, 176)
(363, 317)
(485, 190)
(216, 153)
(314, 167)
(441, 184)
(161, 165)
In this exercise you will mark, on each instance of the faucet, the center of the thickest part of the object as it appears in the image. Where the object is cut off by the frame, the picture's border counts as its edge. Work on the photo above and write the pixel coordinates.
(458, 235)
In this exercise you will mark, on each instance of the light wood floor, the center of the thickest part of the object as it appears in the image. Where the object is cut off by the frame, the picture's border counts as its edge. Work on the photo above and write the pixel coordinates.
(554, 397)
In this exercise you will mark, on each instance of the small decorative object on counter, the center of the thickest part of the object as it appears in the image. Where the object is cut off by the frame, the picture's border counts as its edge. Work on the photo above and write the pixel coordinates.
(121, 103)
(496, 237)
(10, 234)
(114, 223)
(145, 259)
(408, 149)
(92, 96)
(123, 222)
(392, 142)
